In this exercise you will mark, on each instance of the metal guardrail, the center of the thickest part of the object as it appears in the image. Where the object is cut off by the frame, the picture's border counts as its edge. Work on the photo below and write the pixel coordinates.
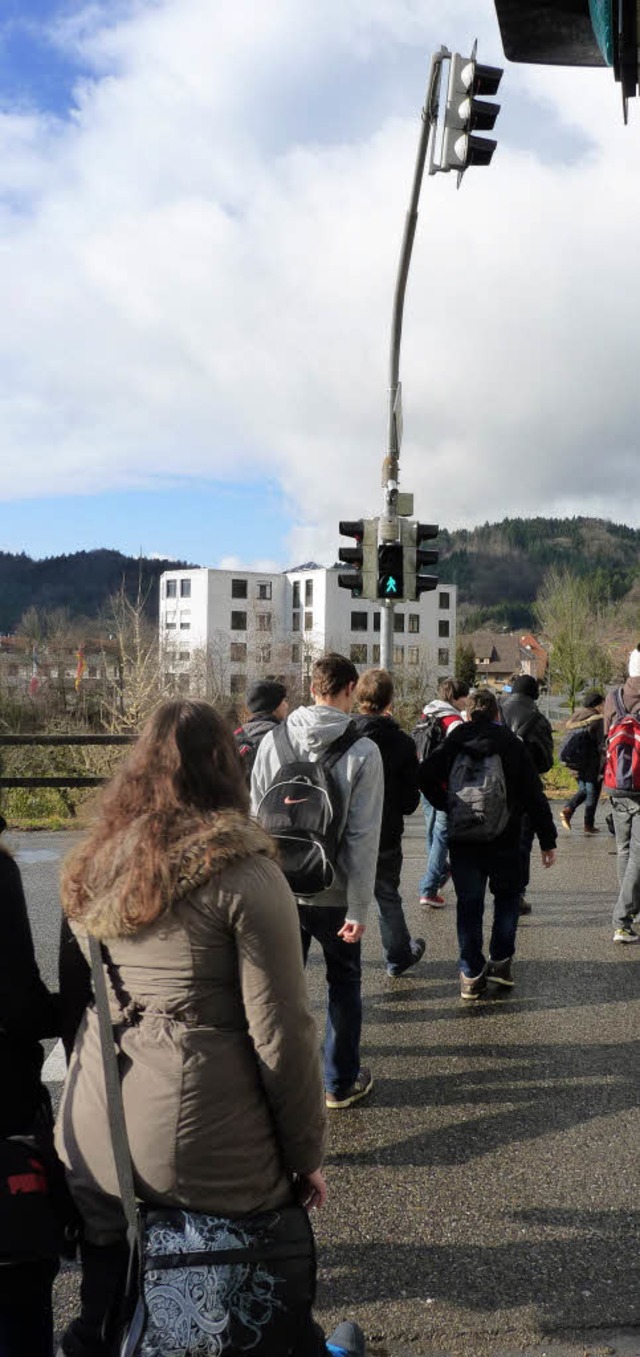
(70, 780)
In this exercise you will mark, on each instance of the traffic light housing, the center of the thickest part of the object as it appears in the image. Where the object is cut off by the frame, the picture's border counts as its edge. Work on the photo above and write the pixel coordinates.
(416, 558)
(391, 572)
(361, 579)
(468, 112)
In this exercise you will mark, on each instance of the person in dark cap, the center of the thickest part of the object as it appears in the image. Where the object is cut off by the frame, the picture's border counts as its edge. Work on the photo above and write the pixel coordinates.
(267, 706)
(520, 713)
(586, 759)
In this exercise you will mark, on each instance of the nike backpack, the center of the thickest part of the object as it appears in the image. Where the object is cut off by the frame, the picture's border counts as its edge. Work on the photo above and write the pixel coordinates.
(622, 757)
(476, 797)
(302, 810)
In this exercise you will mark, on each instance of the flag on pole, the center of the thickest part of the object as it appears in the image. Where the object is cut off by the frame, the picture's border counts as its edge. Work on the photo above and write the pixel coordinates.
(80, 668)
(34, 681)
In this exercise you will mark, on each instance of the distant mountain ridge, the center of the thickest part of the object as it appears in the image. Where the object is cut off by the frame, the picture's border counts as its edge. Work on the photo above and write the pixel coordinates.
(498, 568)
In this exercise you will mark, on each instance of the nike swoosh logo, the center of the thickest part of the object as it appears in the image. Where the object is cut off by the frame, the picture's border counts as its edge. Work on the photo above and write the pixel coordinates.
(295, 800)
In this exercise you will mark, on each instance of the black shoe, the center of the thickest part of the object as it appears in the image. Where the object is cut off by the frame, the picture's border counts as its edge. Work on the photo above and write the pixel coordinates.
(473, 986)
(362, 1086)
(523, 905)
(499, 973)
(347, 1340)
(418, 946)
(591, 829)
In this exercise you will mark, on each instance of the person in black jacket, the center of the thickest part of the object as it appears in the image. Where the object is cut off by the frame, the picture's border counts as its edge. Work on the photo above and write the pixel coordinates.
(497, 860)
(267, 706)
(28, 1012)
(522, 716)
(588, 765)
(374, 695)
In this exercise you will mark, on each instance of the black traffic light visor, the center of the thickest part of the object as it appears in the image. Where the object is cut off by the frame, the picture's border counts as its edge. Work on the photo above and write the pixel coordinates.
(549, 32)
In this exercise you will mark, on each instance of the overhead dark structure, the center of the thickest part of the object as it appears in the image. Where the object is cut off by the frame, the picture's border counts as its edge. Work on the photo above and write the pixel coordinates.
(574, 33)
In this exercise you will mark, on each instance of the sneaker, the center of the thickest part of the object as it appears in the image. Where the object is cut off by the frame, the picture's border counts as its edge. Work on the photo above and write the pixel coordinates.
(347, 1340)
(499, 972)
(418, 946)
(434, 901)
(626, 934)
(363, 1085)
(523, 905)
(473, 986)
(565, 818)
(591, 829)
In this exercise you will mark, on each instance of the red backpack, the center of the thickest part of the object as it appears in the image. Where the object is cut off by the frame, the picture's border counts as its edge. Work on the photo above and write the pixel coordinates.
(622, 759)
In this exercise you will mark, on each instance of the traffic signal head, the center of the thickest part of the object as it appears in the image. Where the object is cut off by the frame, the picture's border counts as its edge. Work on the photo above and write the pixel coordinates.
(361, 580)
(467, 113)
(391, 571)
(425, 532)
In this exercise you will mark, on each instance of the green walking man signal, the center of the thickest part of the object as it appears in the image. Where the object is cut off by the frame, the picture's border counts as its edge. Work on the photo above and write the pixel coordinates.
(391, 571)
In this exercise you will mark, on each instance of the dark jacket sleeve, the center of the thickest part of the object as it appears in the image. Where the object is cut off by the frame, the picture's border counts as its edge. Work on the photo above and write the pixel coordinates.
(408, 773)
(75, 985)
(433, 772)
(534, 801)
(27, 1010)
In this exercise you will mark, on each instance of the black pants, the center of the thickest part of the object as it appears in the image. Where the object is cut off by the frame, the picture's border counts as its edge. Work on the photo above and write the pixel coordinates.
(26, 1316)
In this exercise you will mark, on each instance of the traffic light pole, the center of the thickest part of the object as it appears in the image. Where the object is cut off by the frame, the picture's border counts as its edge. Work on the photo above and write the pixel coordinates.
(389, 523)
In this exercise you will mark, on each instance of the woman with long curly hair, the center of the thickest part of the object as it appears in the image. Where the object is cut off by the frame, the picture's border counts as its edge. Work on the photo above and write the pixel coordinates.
(219, 1056)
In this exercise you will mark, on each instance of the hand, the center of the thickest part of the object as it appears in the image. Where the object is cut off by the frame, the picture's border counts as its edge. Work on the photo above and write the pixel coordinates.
(548, 857)
(351, 932)
(312, 1190)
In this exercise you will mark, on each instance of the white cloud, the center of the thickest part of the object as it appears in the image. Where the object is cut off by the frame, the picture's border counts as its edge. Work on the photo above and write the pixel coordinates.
(199, 276)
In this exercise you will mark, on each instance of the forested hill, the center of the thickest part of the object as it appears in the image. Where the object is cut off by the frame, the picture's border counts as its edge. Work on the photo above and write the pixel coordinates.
(80, 583)
(498, 567)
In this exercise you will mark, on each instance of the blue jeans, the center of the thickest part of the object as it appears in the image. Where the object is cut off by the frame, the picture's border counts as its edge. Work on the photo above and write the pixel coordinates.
(394, 934)
(626, 820)
(437, 827)
(589, 792)
(344, 1000)
(472, 867)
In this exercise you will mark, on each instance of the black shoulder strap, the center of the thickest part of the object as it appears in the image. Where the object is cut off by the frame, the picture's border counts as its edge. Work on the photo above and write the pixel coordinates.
(333, 753)
(619, 703)
(283, 746)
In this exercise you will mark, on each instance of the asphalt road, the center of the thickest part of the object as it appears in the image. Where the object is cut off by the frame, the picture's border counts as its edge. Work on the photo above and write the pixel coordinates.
(485, 1199)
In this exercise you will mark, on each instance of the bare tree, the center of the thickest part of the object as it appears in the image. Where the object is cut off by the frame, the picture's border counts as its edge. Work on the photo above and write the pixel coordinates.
(137, 685)
(573, 625)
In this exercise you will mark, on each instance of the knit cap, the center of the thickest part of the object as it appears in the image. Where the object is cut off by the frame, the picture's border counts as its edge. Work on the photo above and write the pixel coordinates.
(264, 696)
(634, 663)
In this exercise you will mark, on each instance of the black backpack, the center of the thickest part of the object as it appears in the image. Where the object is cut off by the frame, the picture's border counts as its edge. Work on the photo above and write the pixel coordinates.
(427, 735)
(537, 735)
(576, 750)
(302, 810)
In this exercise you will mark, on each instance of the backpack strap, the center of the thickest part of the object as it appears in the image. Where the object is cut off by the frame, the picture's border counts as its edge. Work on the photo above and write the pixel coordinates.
(333, 753)
(283, 746)
(619, 703)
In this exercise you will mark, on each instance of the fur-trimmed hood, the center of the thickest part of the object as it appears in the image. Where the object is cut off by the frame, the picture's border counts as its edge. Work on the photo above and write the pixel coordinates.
(202, 847)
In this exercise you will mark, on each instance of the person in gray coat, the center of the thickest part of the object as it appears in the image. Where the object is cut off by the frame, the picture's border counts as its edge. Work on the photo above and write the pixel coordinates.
(337, 917)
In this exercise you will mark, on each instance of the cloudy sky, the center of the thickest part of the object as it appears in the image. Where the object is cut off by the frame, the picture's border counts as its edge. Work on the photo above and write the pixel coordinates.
(201, 207)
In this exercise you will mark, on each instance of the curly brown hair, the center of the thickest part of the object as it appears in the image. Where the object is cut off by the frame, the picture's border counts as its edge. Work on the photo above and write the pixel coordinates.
(184, 766)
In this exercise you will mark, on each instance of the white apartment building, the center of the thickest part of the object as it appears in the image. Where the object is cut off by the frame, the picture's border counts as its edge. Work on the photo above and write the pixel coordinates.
(245, 624)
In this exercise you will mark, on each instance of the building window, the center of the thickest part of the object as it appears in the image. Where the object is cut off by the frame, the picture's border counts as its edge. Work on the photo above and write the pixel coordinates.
(238, 621)
(238, 652)
(443, 629)
(398, 621)
(237, 684)
(376, 621)
(295, 654)
(264, 654)
(185, 588)
(359, 621)
(444, 601)
(443, 658)
(264, 590)
(359, 654)
(170, 626)
(264, 621)
(184, 655)
(413, 655)
(295, 622)
(398, 654)
(171, 589)
(238, 588)
(308, 621)
(414, 623)
(375, 654)
(185, 626)
(308, 593)
(184, 683)
(296, 593)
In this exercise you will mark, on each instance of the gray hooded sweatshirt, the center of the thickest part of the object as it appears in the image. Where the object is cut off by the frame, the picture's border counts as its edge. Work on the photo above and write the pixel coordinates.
(361, 780)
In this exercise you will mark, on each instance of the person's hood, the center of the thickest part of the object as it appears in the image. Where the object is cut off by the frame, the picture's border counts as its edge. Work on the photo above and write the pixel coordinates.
(631, 694)
(583, 716)
(313, 728)
(202, 846)
(440, 708)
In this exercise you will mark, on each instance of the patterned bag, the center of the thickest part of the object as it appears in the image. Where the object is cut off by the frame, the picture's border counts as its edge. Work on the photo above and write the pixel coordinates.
(202, 1285)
